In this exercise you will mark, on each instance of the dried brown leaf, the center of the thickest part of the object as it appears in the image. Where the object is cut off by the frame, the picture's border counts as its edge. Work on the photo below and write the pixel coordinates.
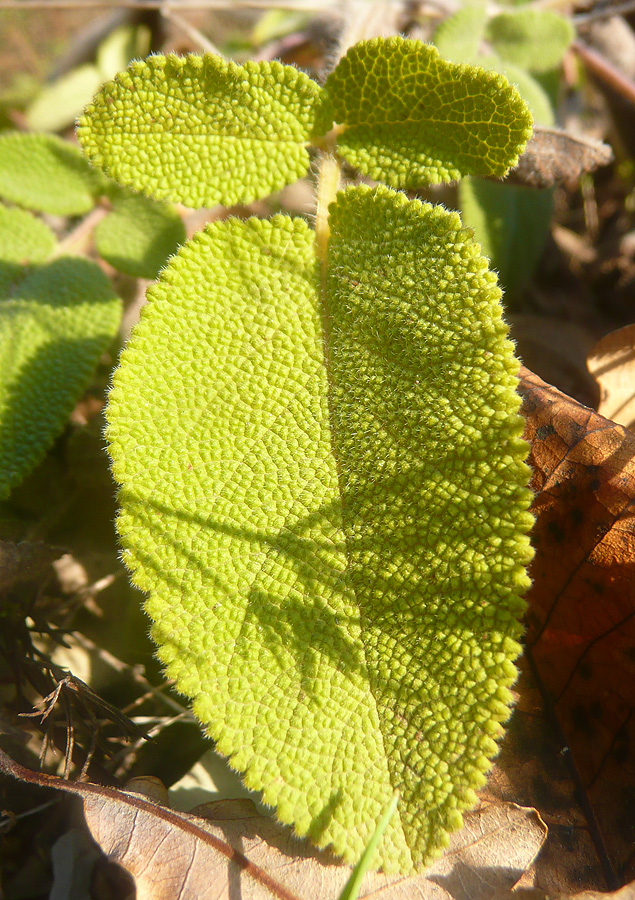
(553, 157)
(177, 857)
(581, 618)
(612, 363)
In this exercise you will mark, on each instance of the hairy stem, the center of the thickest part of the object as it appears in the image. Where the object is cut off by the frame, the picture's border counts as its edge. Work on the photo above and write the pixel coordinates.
(327, 186)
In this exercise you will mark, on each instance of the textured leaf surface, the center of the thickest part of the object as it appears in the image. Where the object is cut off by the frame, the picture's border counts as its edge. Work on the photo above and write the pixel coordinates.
(139, 235)
(412, 118)
(53, 329)
(202, 130)
(532, 39)
(528, 87)
(23, 240)
(47, 174)
(324, 580)
(458, 39)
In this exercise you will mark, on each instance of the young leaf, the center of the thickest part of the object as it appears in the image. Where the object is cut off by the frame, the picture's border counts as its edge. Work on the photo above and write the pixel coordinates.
(139, 235)
(59, 103)
(23, 240)
(46, 174)
(202, 130)
(511, 223)
(459, 36)
(123, 44)
(531, 39)
(333, 541)
(53, 328)
(412, 118)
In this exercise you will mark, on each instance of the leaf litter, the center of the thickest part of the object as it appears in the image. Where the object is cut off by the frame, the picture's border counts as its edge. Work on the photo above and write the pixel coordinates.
(174, 856)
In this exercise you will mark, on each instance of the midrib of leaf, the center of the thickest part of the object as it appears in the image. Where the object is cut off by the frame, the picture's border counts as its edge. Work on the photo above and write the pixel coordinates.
(327, 189)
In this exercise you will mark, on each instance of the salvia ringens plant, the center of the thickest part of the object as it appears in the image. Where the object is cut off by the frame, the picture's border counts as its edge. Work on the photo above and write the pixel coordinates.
(316, 433)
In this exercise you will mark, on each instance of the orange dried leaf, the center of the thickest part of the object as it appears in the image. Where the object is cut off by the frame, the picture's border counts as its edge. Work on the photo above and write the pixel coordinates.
(581, 619)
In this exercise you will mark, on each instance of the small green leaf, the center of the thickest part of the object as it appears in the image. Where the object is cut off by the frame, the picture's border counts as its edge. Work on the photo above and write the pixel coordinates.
(123, 44)
(23, 240)
(511, 223)
(139, 235)
(458, 37)
(333, 539)
(412, 118)
(53, 328)
(46, 174)
(531, 39)
(58, 104)
(203, 130)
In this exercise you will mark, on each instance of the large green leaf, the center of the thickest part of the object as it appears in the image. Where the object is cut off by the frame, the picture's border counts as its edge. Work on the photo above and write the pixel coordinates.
(47, 174)
(54, 326)
(202, 130)
(326, 503)
(411, 118)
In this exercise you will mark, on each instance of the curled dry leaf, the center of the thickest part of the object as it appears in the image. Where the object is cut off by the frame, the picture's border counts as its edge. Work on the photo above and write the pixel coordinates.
(612, 363)
(553, 157)
(177, 857)
(581, 618)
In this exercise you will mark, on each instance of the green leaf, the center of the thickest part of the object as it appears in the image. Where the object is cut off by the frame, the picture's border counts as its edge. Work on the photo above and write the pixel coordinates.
(511, 223)
(528, 87)
(121, 45)
(333, 547)
(411, 118)
(53, 328)
(531, 39)
(458, 37)
(23, 240)
(46, 174)
(203, 130)
(58, 104)
(139, 235)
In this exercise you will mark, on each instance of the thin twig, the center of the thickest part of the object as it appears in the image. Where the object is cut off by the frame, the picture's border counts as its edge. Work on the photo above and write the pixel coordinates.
(604, 11)
(599, 66)
(294, 5)
(196, 36)
(79, 237)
